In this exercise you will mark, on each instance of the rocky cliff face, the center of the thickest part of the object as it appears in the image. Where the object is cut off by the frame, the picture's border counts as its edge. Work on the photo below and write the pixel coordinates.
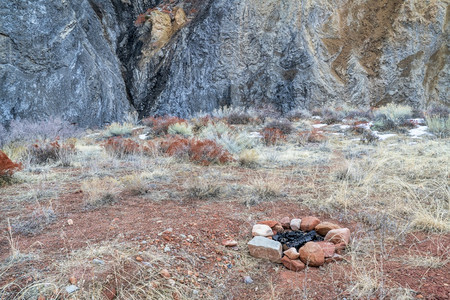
(88, 61)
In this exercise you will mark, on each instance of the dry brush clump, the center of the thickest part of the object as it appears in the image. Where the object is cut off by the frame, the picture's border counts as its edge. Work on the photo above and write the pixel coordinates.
(121, 147)
(272, 136)
(160, 125)
(204, 152)
(43, 152)
(7, 168)
(100, 191)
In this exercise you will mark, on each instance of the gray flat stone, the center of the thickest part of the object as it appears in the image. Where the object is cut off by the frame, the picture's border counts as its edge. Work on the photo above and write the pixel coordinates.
(263, 247)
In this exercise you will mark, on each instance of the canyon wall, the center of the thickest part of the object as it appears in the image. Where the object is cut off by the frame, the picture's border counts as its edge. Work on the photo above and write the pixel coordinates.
(89, 62)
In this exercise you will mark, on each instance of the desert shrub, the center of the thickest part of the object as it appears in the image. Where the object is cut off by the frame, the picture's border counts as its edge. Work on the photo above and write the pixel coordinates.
(201, 122)
(180, 128)
(134, 184)
(264, 112)
(238, 118)
(200, 188)
(160, 125)
(121, 147)
(298, 114)
(357, 114)
(40, 218)
(51, 129)
(118, 129)
(7, 168)
(43, 152)
(332, 116)
(204, 152)
(214, 129)
(438, 110)
(176, 146)
(284, 126)
(249, 158)
(368, 137)
(439, 126)
(272, 136)
(100, 191)
(311, 136)
(391, 116)
(207, 152)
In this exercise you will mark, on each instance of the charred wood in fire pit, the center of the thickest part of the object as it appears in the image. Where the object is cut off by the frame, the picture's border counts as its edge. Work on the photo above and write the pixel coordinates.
(297, 238)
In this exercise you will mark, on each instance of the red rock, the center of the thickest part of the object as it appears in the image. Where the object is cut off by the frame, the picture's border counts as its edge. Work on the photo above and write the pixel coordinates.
(138, 258)
(337, 236)
(278, 228)
(328, 248)
(312, 254)
(271, 224)
(229, 243)
(286, 222)
(293, 254)
(324, 227)
(110, 293)
(41, 297)
(293, 265)
(165, 273)
(309, 223)
(73, 280)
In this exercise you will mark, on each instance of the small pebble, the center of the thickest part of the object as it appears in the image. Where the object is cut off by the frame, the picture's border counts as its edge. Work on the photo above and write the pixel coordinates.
(98, 261)
(167, 249)
(71, 288)
(248, 280)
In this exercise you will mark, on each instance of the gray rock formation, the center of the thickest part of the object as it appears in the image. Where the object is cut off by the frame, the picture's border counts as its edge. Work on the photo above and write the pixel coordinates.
(87, 61)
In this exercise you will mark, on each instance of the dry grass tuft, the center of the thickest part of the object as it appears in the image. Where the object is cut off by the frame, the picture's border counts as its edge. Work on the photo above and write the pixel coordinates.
(100, 191)
(249, 158)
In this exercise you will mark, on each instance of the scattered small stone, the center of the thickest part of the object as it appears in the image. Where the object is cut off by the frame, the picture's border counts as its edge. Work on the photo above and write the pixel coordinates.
(229, 243)
(166, 249)
(138, 258)
(324, 227)
(334, 258)
(337, 236)
(309, 223)
(248, 280)
(183, 236)
(262, 247)
(70, 221)
(202, 257)
(261, 230)
(312, 254)
(165, 273)
(73, 280)
(41, 297)
(171, 282)
(292, 253)
(147, 264)
(195, 292)
(278, 228)
(286, 222)
(295, 224)
(98, 261)
(293, 265)
(71, 289)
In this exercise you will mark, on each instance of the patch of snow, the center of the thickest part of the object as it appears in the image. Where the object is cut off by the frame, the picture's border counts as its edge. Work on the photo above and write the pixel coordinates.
(142, 136)
(345, 127)
(365, 125)
(416, 133)
(254, 134)
(319, 125)
(384, 136)
(316, 117)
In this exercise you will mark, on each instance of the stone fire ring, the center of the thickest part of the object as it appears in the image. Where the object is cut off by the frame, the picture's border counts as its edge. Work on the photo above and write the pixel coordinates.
(297, 243)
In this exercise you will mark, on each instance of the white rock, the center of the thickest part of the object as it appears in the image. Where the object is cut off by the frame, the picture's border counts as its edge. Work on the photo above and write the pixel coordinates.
(262, 247)
(71, 289)
(261, 230)
(295, 224)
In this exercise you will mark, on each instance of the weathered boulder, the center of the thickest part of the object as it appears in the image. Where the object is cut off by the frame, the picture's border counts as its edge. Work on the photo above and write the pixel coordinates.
(324, 227)
(261, 230)
(328, 248)
(309, 223)
(262, 247)
(337, 236)
(292, 253)
(312, 254)
(286, 222)
(295, 224)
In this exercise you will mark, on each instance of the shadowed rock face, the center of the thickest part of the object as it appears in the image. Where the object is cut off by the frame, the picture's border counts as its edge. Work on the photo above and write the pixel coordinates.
(88, 61)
